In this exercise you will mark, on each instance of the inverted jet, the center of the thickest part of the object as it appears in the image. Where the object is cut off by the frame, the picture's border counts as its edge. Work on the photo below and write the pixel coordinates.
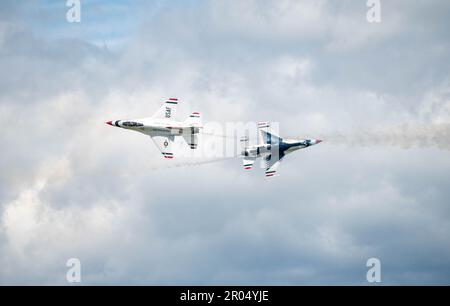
(271, 148)
(162, 127)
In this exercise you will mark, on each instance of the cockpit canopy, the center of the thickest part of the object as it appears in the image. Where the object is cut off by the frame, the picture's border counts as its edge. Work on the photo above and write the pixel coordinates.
(307, 143)
(131, 124)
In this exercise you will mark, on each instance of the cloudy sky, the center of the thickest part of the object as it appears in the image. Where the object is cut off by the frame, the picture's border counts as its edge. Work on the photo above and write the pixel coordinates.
(378, 186)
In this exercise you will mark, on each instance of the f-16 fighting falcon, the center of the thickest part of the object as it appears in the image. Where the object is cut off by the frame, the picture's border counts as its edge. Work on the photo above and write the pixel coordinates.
(272, 148)
(163, 128)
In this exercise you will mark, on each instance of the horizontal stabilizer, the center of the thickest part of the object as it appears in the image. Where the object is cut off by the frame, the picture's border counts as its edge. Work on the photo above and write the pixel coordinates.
(194, 119)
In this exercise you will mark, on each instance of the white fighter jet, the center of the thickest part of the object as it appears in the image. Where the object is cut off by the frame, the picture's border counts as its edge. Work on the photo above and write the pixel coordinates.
(163, 128)
(271, 148)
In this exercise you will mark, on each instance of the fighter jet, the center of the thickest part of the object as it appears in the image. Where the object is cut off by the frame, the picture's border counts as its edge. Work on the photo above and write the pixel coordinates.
(163, 128)
(271, 148)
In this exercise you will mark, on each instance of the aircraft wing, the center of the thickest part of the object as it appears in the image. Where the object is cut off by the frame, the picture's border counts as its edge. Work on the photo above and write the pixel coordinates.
(164, 144)
(271, 165)
(168, 110)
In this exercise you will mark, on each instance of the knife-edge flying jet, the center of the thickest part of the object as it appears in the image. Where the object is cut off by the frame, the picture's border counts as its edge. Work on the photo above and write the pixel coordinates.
(271, 148)
(163, 128)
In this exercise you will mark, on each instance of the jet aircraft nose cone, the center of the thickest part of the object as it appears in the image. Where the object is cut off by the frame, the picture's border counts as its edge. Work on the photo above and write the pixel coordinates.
(109, 122)
(318, 141)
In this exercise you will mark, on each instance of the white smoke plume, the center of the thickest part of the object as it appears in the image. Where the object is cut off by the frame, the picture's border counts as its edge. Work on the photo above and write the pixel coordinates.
(404, 135)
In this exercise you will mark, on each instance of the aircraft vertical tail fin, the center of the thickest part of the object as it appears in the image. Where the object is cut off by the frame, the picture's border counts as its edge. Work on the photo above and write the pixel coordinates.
(244, 142)
(247, 160)
(168, 110)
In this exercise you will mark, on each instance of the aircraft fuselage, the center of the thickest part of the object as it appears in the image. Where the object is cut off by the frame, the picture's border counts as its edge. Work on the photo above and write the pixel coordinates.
(282, 148)
(149, 126)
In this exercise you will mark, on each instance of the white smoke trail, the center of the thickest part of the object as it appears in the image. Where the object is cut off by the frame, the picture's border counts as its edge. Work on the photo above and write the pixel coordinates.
(189, 163)
(213, 148)
(161, 165)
